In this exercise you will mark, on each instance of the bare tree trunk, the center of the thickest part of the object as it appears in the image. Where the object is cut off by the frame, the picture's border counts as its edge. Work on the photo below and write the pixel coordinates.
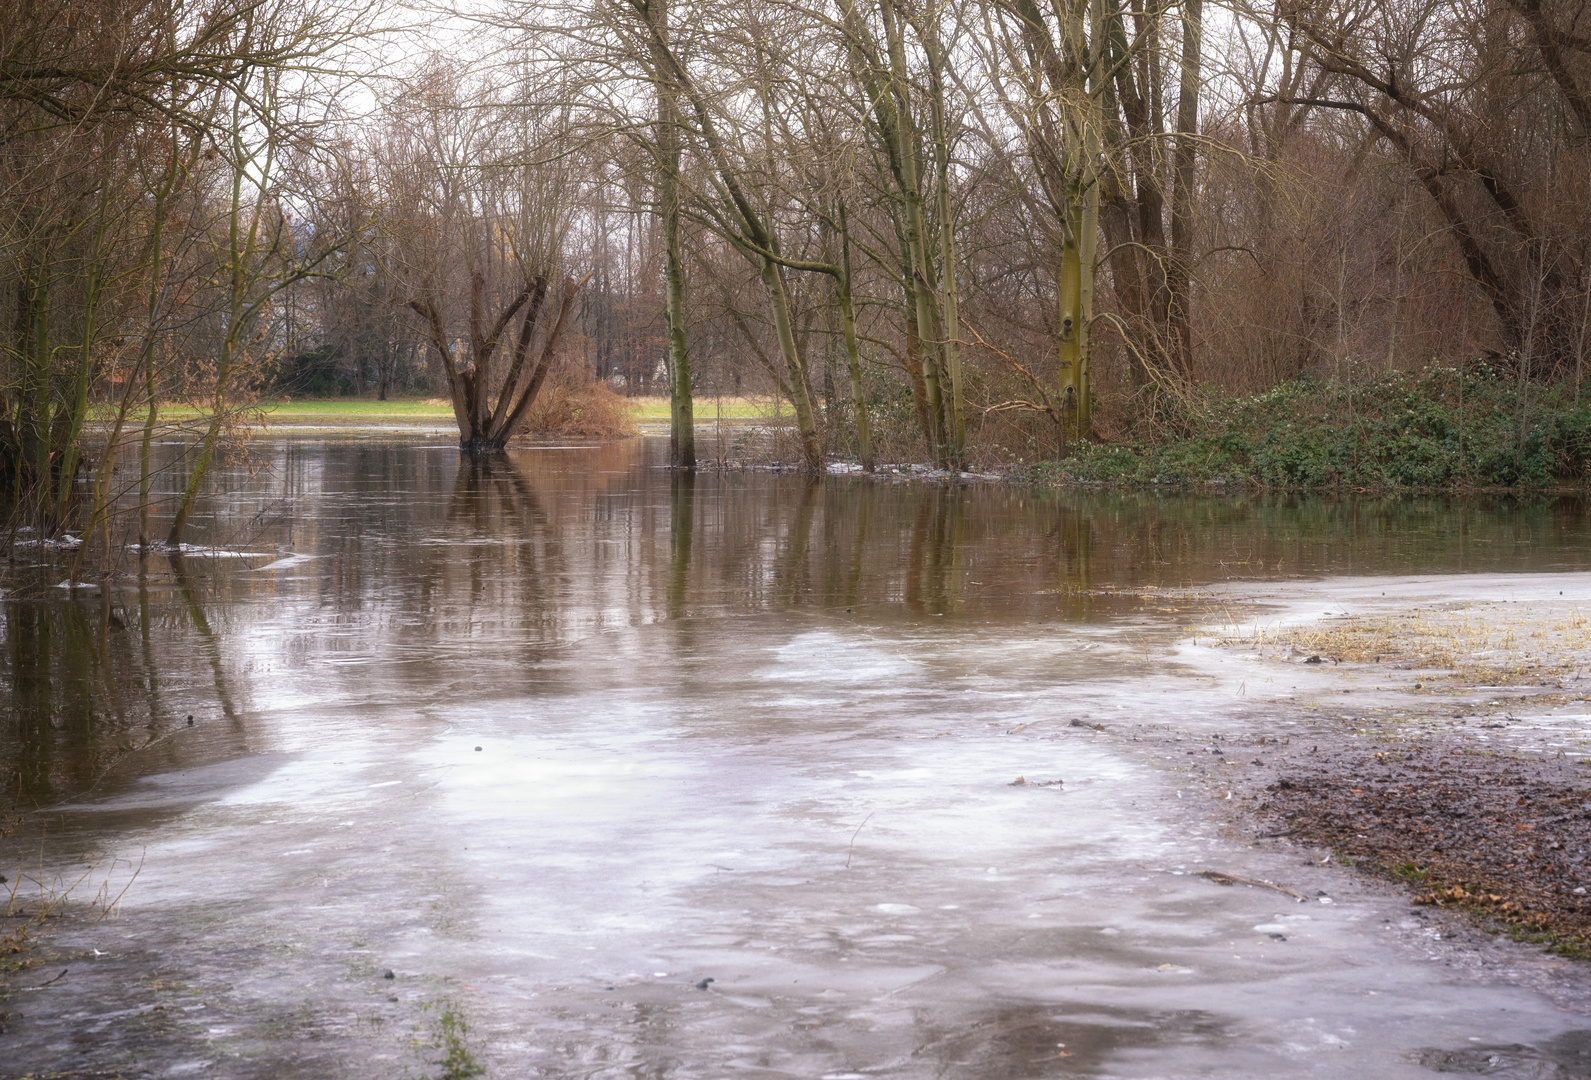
(864, 435)
(956, 434)
(33, 395)
(1179, 267)
(1069, 339)
(1087, 247)
(99, 516)
(681, 411)
(800, 395)
(241, 262)
(145, 445)
(893, 109)
(505, 428)
(68, 429)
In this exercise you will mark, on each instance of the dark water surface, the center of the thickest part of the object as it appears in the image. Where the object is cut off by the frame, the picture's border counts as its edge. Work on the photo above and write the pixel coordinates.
(556, 738)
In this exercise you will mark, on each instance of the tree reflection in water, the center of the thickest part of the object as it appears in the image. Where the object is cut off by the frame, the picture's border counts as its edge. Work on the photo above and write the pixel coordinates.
(419, 573)
(95, 675)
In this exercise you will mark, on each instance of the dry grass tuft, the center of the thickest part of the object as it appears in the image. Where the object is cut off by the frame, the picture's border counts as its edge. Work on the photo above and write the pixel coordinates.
(1492, 644)
(575, 404)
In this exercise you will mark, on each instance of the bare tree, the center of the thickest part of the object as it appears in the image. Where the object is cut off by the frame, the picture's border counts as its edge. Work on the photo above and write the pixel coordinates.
(1487, 107)
(476, 200)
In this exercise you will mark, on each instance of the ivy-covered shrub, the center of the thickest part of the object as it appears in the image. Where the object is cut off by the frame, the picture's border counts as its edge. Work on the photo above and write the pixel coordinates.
(1442, 427)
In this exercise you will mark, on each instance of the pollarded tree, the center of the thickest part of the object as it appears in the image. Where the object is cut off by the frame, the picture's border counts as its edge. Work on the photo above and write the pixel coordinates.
(478, 185)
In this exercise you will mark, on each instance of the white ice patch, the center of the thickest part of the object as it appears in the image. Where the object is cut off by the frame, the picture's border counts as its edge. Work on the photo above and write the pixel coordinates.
(825, 658)
(286, 561)
(1281, 924)
(64, 542)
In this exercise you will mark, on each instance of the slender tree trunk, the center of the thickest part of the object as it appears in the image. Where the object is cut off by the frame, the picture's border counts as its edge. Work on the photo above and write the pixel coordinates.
(458, 393)
(956, 435)
(864, 436)
(507, 427)
(1087, 247)
(33, 404)
(145, 445)
(919, 381)
(68, 444)
(1179, 267)
(1585, 332)
(920, 277)
(1093, 172)
(927, 333)
(800, 395)
(516, 367)
(147, 354)
(196, 475)
(1116, 215)
(242, 256)
(1069, 303)
(681, 406)
(99, 516)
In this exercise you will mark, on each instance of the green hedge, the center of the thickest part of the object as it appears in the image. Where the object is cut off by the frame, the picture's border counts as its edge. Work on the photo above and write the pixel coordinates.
(1441, 428)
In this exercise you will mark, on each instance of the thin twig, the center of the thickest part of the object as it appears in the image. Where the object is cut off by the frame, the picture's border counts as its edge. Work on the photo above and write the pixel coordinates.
(42, 985)
(112, 905)
(854, 835)
(1232, 879)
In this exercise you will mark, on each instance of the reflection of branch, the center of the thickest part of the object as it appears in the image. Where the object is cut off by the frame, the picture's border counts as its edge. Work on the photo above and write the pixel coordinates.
(212, 648)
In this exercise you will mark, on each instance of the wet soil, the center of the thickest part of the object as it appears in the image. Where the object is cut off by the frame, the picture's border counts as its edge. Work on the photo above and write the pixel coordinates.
(1472, 798)
(1502, 836)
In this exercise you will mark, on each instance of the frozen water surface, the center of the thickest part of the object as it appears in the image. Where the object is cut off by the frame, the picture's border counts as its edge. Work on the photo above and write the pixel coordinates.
(620, 776)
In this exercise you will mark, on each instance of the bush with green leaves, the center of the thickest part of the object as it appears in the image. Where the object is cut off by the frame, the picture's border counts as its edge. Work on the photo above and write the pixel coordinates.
(1440, 428)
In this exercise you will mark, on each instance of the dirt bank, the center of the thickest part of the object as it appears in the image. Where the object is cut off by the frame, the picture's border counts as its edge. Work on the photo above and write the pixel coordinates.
(1437, 737)
(1504, 836)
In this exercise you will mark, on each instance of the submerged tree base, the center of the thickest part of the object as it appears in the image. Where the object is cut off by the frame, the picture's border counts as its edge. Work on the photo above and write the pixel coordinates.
(1440, 429)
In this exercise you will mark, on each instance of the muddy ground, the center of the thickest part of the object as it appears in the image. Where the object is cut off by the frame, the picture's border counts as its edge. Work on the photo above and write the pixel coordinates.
(1440, 744)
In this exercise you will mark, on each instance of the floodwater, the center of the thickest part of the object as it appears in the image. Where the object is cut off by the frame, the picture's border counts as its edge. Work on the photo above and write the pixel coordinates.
(620, 774)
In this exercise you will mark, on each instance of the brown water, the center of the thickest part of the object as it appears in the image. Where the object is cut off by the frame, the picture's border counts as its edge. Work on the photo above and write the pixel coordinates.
(554, 739)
